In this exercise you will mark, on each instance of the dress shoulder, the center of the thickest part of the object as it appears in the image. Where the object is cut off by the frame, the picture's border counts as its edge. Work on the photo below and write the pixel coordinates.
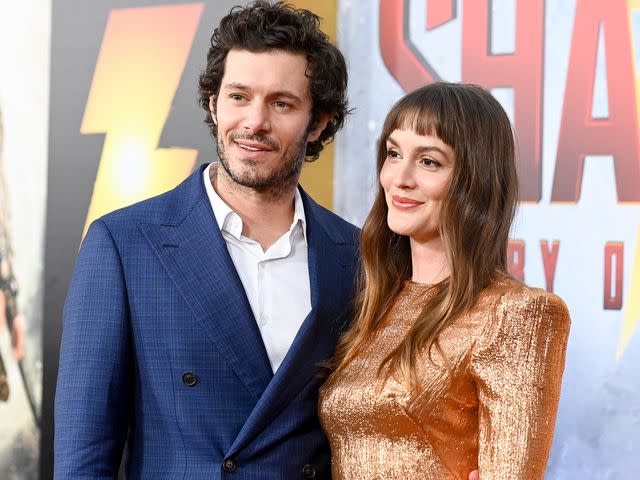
(514, 310)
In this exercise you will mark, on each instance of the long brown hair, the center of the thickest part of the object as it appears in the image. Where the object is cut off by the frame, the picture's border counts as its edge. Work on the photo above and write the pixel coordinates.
(476, 217)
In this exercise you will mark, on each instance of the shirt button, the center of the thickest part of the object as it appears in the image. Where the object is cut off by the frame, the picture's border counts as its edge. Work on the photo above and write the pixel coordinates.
(189, 379)
(229, 465)
(308, 471)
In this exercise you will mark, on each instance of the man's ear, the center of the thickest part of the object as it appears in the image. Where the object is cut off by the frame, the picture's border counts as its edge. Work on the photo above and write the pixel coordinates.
(212, 109)
(319, 126)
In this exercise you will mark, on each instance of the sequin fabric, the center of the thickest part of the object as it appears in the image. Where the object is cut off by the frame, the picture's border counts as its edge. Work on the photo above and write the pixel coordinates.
(494, 412)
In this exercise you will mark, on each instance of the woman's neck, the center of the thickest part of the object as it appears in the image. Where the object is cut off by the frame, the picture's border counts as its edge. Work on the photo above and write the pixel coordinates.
(429, 262)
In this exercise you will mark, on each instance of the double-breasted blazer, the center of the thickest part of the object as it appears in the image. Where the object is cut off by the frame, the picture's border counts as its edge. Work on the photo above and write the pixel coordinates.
(160, 350)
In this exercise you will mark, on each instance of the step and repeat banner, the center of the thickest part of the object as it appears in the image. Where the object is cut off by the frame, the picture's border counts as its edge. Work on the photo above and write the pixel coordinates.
(98, 109)
(568, 74)
(24, 122)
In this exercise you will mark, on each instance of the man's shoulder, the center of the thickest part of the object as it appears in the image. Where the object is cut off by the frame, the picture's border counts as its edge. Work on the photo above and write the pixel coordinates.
(167, 207)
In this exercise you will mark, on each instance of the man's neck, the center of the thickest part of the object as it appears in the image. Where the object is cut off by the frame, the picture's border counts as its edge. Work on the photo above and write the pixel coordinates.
(265, 218)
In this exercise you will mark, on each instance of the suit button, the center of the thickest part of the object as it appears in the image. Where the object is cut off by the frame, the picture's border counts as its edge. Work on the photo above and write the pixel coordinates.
(229, 465)
(189, 379)
(308, 471)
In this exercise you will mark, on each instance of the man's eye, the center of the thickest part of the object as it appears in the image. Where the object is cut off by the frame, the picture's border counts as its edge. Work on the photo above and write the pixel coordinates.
(280, 104)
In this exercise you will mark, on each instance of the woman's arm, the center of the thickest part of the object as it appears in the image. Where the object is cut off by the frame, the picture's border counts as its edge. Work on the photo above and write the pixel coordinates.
(518, 369)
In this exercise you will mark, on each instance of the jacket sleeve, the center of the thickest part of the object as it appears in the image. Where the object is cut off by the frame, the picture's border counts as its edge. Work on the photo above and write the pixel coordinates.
(518, 373)
(93, 392)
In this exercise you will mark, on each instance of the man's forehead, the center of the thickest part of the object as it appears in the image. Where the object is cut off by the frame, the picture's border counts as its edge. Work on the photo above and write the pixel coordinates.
(269, 70)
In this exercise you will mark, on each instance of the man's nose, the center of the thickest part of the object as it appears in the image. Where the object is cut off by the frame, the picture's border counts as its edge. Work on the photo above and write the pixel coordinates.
(257, 118)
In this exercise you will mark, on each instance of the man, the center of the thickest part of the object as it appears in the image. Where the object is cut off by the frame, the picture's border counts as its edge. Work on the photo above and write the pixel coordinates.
(196, 321)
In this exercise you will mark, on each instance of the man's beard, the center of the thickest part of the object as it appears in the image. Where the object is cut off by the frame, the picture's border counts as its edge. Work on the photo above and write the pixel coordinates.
(274, 183)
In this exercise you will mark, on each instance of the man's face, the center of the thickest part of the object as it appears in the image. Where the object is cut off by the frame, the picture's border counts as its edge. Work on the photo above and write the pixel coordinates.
(263, 114)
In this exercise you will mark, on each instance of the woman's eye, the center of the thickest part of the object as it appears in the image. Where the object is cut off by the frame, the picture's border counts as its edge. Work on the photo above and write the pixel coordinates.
(429, 162)
(393, 154)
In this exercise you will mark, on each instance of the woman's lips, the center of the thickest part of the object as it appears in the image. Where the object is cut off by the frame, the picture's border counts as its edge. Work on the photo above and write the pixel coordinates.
(405, 203)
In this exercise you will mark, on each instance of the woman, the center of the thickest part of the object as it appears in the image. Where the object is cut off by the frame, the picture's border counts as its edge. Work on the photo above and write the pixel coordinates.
(451, 365)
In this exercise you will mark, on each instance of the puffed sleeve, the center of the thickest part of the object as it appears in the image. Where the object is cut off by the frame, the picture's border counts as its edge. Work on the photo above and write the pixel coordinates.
(517, 367)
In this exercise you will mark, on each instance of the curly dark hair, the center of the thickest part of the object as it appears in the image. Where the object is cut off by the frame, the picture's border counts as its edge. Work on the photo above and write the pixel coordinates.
(261, 26)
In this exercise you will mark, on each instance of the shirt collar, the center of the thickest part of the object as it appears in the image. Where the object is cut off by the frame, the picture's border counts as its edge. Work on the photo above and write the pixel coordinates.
(230, 222)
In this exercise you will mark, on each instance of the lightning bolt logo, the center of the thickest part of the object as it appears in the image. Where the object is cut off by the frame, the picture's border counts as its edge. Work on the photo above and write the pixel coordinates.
(317, 177)
(141, 60)
(631, 312)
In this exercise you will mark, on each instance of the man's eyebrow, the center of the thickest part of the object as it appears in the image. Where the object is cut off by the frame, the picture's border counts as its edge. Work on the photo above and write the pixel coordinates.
(286, 94)
(235, 86)
(278, 94)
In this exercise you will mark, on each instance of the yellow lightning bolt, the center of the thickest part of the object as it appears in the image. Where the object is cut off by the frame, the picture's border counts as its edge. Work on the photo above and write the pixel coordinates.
(631, 311)
(317, 177)
(140, 63)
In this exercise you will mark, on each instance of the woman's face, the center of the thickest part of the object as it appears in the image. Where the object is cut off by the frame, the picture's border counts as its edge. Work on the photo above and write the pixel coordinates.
(415, 178)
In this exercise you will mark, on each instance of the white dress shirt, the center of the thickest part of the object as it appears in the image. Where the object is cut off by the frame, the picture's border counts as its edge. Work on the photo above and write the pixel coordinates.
(276, 282)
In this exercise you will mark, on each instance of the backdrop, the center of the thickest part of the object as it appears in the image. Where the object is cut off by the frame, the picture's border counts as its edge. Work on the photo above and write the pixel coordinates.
(98, 103)
(24, 107)
(567, 72)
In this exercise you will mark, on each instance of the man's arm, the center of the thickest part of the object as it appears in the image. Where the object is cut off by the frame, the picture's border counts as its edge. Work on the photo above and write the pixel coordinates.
(93, 391)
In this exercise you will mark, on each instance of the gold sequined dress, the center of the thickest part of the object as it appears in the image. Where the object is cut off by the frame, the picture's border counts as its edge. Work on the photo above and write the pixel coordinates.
(495, 412)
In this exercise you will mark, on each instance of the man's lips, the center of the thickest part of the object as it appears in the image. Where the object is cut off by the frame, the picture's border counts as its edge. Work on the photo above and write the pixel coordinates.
(404, 203)
(253, 146)
(254, 143)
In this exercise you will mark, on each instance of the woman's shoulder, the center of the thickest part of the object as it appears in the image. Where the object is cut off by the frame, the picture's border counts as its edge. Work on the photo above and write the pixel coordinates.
(507, 289)
(515, 303)
(512, 312)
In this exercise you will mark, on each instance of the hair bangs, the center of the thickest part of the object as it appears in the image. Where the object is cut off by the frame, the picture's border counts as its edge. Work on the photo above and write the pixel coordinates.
(425, 113)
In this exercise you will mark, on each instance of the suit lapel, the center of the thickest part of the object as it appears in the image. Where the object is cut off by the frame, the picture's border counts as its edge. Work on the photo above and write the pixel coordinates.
(195, 256)
(316, 339)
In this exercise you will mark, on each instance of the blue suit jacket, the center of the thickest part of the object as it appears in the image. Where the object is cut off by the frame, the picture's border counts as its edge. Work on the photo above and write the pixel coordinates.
(160, 349)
